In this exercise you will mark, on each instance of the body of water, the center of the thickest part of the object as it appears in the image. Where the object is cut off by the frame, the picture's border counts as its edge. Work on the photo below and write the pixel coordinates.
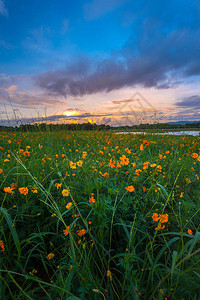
(194, 133)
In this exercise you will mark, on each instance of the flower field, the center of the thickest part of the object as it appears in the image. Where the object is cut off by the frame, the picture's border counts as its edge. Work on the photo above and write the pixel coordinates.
(95, 215)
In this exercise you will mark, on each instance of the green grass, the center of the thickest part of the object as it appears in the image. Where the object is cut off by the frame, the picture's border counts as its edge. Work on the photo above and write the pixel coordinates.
(118, 231)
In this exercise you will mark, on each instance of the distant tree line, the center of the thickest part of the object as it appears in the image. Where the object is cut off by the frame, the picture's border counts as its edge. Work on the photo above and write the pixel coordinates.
(37, 127)
(159, 126)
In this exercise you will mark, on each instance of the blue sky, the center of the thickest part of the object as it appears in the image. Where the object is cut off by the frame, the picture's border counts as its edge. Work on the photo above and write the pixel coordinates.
(106, 60)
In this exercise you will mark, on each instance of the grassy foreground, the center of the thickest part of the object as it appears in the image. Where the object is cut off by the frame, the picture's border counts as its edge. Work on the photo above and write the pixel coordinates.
(94, 215)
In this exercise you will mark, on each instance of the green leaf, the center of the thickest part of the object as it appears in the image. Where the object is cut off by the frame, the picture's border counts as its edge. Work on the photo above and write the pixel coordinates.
(12, 229)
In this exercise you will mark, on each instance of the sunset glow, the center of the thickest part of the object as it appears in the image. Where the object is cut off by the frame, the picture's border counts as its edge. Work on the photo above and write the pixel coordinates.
(106, 60)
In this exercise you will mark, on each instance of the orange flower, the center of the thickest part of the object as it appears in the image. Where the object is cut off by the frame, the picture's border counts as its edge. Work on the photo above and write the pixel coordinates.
(144, 189)
(155, 217)
(50, 256)
(81, 232)
(128, 151)
(8, 190)
(130, 188)
(141, 147)
(181, 195)
(105, 174)
(23, 190)
(190, 232)
(26, 153)
(163, 218)
(66, 231)
(194, 155)
(137, 172)
(1, 171)
(118, 165)
(92, 199)
(160, 227)
(124, 160)
(34, 191)
(13, 185)
(2, 246)
(69, 205)
(58, 185)
(84, 154)
(111, 163)
(109, 274)
(145, 142)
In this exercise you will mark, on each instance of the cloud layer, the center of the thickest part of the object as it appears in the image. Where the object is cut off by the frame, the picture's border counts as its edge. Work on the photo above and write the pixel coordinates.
(162, 51)
(189, 102)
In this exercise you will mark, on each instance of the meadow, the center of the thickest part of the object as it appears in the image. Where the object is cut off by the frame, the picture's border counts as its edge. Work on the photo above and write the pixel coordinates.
(95, 215)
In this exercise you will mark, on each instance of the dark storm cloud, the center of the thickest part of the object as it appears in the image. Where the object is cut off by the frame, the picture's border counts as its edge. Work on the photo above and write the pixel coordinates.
(164, 49)
(189, 102)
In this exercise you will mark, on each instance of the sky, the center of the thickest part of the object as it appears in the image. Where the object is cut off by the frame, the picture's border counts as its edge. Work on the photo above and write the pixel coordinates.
(116, 62)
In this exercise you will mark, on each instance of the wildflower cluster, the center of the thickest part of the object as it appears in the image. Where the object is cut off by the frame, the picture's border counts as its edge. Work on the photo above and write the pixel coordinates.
(160, 219)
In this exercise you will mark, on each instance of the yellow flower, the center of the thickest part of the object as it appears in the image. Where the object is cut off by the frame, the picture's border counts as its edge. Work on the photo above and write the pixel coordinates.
(159, 167)
(72, 165)
(34, 191)
(188, 180)
(79, 163)
(69, 205)
(153, 165)
(50, 256)
(65, 193)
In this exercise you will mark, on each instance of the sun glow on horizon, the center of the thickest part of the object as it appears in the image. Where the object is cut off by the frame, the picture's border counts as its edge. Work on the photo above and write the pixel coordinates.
(70, 113)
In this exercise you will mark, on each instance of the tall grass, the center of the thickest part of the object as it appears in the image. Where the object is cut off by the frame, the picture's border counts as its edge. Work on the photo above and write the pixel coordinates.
(111, 249)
